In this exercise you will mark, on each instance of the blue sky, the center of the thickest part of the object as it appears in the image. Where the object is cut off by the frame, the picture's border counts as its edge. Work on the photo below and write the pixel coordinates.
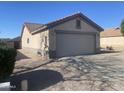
(14, 14)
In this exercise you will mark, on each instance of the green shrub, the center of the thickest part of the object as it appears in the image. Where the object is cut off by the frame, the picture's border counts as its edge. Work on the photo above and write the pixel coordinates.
(7, 61)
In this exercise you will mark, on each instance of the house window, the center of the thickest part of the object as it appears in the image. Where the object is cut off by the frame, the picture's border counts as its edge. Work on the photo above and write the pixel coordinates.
(78, 24)
(28, 40)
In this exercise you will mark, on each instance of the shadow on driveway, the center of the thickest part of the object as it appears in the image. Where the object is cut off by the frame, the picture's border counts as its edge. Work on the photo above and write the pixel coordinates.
(37, 80)
(21, 56)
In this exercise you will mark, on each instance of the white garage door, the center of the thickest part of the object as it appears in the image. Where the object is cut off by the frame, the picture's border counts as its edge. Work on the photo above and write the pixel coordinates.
(74, 44)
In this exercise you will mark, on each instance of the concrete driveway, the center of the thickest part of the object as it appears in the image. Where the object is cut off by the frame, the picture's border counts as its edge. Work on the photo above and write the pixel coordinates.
(104, 72)
(101, 72)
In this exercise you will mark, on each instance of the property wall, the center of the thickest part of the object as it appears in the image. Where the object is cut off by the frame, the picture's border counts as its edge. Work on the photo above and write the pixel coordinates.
(71, 26)
(36, 41)
(112, 41)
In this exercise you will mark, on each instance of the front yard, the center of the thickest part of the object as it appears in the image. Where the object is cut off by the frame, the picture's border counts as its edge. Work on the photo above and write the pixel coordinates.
(89, 72)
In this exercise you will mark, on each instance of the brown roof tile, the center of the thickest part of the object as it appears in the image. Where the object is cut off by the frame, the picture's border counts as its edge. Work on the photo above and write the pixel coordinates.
(33, 26)
(64, 19)
(112, 32)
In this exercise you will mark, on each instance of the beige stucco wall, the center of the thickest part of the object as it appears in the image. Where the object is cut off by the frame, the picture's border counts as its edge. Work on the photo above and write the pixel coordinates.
(36, 41)
(112, 41)
(33, 39)
(71, 26)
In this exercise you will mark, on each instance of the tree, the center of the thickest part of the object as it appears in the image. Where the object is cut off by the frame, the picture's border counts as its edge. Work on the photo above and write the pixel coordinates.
(122, 27)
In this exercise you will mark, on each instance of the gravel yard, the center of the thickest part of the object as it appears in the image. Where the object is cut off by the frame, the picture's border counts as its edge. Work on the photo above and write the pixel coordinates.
(102, 72)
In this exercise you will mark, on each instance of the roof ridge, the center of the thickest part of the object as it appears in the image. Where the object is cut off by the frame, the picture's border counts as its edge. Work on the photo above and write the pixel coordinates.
(77, 13)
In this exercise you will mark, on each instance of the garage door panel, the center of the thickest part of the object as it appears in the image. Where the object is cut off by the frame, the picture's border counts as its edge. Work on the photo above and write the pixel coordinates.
(74, 44)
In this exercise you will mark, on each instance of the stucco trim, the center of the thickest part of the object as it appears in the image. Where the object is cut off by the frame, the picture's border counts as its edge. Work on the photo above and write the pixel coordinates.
(74, 32)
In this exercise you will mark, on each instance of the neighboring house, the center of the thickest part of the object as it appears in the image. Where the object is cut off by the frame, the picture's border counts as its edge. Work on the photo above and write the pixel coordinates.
(69, 36)
(15, 42)
(111, 37)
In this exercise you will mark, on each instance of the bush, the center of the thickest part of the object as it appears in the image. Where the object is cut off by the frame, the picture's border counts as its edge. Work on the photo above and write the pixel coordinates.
(7, 61)
(109, 48)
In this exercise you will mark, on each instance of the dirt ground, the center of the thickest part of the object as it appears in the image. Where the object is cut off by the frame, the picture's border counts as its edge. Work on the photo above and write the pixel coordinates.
(26, 60)
(24, 54)
(102, 72)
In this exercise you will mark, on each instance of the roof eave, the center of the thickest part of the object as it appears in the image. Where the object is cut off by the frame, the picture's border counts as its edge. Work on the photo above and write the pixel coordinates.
(99, 28)
(39, 30)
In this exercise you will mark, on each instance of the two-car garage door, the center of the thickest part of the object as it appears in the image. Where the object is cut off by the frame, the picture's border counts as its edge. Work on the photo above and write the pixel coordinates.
(70, 44)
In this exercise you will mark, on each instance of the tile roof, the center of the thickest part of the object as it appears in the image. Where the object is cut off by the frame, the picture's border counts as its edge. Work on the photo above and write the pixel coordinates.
(59, 21)
(34, 27)
(112, 32)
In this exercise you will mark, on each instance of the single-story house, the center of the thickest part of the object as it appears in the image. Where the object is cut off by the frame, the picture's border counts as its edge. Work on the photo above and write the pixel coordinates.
(69, 36)
(111, 37)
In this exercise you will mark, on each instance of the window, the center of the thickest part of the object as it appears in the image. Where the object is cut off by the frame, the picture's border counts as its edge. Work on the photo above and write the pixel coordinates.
(28, 40)
(78, 24)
